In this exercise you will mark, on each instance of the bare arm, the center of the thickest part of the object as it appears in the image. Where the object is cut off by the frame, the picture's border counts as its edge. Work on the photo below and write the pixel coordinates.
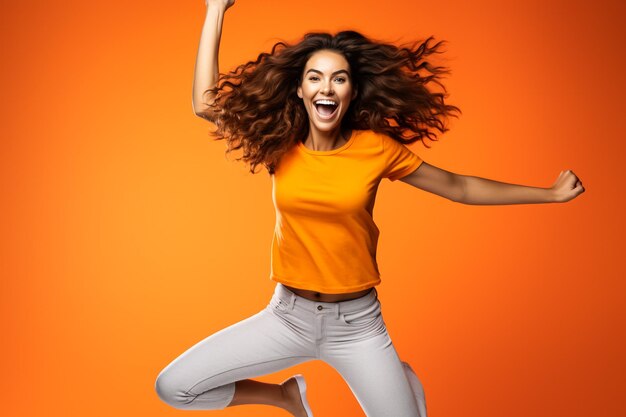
(482, 191)
(207, 68)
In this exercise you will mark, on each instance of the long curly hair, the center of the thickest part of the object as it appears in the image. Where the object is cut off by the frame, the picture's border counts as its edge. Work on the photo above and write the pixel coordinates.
(256, 107)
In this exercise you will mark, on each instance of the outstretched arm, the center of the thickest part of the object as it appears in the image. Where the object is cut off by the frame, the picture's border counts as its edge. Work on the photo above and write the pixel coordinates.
(482, 191)
(207, 68)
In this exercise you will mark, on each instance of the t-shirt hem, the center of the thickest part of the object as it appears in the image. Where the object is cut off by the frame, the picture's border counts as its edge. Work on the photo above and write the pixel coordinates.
(327, 290)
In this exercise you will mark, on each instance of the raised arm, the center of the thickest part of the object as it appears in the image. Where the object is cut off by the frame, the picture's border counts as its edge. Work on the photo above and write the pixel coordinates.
(482, 191)
(207, 68)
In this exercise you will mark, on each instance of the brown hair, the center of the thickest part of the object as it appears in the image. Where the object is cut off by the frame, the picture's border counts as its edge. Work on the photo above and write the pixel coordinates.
(257, 109)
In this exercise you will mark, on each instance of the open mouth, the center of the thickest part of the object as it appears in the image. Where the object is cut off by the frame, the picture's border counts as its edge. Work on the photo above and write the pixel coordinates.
(326, 109)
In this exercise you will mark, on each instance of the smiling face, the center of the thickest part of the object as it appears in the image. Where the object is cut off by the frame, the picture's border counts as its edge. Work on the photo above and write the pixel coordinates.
(326, 89)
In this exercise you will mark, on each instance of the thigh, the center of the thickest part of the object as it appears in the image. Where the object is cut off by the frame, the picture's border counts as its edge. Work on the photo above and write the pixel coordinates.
(255, 346)
(372, 369)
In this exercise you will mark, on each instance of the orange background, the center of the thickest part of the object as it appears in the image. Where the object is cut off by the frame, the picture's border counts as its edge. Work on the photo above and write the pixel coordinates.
(128, 237)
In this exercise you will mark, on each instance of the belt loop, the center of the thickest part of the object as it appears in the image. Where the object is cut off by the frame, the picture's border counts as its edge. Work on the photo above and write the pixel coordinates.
(292, 301)
(337, 310)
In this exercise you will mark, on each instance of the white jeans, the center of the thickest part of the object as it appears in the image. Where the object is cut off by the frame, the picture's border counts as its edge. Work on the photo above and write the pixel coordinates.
(350, 336)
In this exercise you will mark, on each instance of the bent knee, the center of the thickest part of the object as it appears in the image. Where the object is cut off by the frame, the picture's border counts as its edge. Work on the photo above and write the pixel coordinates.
(170, 391)
(177, 394)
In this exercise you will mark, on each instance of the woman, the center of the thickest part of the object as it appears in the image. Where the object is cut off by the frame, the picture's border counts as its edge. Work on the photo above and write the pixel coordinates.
(328, 118)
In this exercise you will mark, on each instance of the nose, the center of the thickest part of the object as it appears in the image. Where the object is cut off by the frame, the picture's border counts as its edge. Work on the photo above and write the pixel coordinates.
(326, 89)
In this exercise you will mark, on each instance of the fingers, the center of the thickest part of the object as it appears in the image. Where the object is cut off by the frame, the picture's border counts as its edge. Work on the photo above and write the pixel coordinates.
(577, 182)
(579, 187)
(570, 184)
(571, 178)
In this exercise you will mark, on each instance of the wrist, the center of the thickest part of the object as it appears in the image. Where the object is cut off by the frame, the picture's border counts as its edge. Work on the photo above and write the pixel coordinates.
(550, 196)
(216, 9)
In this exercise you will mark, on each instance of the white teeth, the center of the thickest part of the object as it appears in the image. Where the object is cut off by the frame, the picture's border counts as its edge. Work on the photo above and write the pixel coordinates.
(329, 102)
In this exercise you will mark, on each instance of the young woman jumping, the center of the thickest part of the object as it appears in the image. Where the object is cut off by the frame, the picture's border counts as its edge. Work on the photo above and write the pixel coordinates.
(328, 117)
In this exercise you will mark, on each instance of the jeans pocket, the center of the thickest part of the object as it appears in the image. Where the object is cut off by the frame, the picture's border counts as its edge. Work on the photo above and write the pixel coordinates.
(278, 305)
(362, 317)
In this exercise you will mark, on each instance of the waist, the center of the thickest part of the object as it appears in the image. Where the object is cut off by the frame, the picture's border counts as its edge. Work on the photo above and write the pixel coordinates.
(285, 293)
(327, 298)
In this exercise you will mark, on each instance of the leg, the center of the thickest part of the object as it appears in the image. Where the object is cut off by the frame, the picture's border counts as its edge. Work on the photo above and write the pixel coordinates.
(377, 378)
(248, 391)
(417, 388)
(360, 349)
(204, 377)
(285, 395)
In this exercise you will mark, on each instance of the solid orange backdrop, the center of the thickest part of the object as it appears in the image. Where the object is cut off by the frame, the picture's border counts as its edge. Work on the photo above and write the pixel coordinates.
(128, 236)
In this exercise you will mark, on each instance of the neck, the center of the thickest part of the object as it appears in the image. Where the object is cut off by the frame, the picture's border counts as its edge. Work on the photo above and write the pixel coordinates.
(325, 141)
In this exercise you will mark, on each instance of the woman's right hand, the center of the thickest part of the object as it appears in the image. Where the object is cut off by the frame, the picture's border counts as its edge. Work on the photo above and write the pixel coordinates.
(219, 3)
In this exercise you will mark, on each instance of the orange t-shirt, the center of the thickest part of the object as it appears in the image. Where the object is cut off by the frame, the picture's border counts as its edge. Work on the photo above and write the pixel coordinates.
(325, 237)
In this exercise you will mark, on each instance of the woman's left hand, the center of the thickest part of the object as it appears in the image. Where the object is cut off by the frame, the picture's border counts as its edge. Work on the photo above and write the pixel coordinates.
(566, 187)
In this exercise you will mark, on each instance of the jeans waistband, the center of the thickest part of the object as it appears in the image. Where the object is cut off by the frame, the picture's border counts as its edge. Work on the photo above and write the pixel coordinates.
(357, 304)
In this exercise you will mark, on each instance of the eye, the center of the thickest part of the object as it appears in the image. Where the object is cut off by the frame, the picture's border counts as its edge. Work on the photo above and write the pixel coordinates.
(340, 79)
(313, 78)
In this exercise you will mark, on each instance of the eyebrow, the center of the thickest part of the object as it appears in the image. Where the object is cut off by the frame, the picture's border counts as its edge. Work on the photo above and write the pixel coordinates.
(320, 72)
